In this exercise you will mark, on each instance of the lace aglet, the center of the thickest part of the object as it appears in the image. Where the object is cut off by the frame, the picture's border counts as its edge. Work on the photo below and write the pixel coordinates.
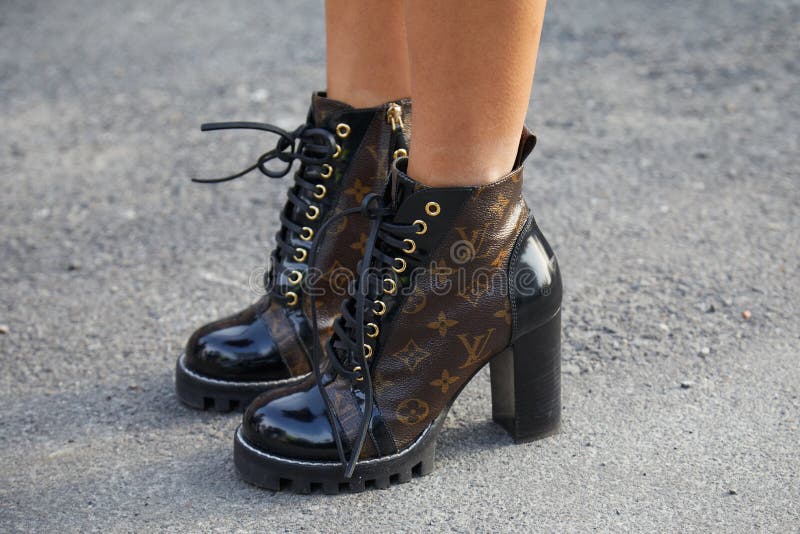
(211, 126)
(212, 180)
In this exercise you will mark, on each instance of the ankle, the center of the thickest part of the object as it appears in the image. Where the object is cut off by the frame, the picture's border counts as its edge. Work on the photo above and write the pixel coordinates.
(452, 165)
(363, 98)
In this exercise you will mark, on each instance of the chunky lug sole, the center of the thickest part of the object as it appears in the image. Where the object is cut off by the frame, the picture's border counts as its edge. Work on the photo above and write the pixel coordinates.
(304, 476)
(526, 401)
(206, 393)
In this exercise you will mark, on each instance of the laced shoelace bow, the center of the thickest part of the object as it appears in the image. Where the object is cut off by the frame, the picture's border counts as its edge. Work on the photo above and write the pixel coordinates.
(313, 147)
(350, 354)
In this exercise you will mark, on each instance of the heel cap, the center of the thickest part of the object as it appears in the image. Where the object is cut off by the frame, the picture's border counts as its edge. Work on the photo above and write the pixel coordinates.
(551, 428)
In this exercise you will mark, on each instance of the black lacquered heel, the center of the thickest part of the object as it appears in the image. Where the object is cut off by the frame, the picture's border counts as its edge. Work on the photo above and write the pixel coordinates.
(526, 384)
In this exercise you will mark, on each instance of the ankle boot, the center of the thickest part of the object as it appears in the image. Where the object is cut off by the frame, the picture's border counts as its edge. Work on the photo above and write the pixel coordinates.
(345, 154)
(452, 279)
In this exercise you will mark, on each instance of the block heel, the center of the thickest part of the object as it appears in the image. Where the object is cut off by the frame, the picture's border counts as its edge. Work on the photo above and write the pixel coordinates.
(526, 384)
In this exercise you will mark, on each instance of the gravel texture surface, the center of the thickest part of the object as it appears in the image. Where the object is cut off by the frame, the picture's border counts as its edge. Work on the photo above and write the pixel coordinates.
(666, 177)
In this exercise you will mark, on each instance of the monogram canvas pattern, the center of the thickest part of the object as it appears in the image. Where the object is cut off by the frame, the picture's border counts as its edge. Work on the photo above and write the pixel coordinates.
(366, 173)
(454, 339)
(284, 335)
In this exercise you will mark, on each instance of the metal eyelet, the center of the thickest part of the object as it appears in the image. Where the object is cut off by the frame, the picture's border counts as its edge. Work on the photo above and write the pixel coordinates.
(338, 151)
(381, 308)
(292, 298)
(423, 226)
(411, 246)
(375, 330)
(312, 213)
(401, 265)
(357, 369)
(300, 255)
(367, 351)
(399, 153)
(321, 190)
(433, 209)
(295, 277)
(306, 233)
(342, 130)
(328, 171)
(392, 289)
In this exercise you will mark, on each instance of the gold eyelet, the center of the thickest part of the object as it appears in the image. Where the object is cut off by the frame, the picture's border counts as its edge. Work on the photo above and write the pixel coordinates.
(367, 351)
(401, 265)
(338, 151)
(300, 255)
(292, 296)
(392, 289)
(312, 213)
(399, 153)
(433, 209)
(307, 233)
(411, 246)
(357, 369)
(375, 330)
(342, 130)
(321, 190)
(328, 171)
(381, 308)
(295, 277)
(423, 226)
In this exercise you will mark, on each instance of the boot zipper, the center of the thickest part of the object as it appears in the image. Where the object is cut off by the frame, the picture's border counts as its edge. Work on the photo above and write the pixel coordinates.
(394, 116)
(397, 145)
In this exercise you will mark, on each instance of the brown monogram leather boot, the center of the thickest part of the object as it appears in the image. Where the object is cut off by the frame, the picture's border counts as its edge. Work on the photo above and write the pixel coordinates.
(452, 279)
(345, 154)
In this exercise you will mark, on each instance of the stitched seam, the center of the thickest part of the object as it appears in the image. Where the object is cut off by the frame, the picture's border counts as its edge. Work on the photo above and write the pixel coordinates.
(210, 380)
(370, 461)
(512, 294)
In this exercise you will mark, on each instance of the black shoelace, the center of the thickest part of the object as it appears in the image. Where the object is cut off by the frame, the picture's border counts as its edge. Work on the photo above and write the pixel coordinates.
(314, 148)
(389, 252)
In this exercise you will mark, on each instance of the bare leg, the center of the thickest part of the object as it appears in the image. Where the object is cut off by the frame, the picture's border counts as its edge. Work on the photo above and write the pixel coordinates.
(367, 58)
(472, 64)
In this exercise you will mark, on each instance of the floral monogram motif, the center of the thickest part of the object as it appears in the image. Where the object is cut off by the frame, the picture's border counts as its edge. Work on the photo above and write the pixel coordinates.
(412, 355)
(360, 245)
(359, 190)
(442, 324)
(445, 381)
(505, 313)
(412, 411)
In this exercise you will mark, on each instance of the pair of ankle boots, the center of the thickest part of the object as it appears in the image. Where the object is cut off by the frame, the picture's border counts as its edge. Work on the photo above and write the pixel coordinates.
(385, 297)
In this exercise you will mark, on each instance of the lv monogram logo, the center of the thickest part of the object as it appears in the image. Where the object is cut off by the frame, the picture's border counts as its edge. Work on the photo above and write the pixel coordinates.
(477, 237)
(476, 347)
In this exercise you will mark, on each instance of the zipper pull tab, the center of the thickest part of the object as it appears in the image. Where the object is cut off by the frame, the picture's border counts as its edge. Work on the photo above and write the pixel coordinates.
(394, 115)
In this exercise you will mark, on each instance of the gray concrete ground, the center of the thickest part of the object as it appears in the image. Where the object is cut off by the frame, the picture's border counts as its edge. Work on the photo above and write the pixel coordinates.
(666, 176)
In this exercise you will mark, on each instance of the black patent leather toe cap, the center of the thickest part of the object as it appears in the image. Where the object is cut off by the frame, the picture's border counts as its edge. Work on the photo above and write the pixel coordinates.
(291, 423)
(239, 348)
